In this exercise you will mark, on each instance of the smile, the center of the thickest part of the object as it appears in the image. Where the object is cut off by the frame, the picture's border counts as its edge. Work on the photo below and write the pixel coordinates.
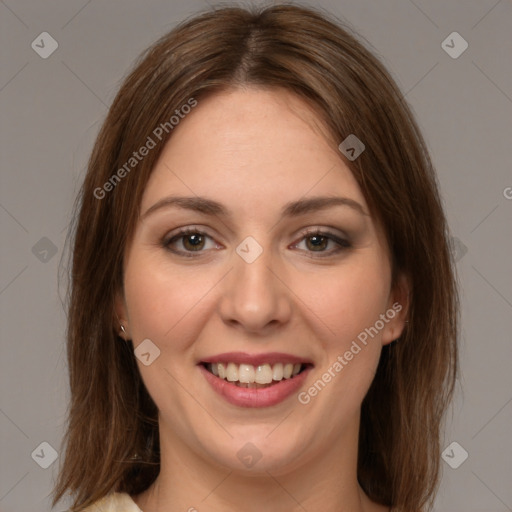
(260, 380)
(256, 377)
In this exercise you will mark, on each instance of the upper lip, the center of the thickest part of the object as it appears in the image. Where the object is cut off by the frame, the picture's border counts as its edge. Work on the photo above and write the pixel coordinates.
(255, 359)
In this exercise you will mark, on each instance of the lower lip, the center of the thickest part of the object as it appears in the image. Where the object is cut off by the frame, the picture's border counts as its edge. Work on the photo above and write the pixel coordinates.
(262, 397)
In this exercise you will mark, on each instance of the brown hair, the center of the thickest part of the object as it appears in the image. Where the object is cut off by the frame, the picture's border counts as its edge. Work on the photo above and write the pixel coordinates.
(112, 435)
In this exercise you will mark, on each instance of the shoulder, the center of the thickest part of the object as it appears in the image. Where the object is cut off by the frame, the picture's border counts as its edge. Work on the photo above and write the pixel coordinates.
(115, 502)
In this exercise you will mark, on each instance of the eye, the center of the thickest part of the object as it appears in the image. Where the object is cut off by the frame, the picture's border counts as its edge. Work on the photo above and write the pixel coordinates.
(191, 240)
(317, 241)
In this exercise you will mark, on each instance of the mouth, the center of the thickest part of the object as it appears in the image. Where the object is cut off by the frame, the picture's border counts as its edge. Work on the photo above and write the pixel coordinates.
(255, 376)
(255, 380)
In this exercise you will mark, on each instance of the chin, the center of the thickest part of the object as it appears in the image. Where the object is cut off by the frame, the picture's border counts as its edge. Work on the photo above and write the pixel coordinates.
(258, 453)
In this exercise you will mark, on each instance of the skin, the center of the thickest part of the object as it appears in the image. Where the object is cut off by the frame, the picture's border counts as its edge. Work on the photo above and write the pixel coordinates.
(253, 150)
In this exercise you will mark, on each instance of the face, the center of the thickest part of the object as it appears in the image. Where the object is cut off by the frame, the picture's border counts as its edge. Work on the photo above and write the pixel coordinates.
(267, 279)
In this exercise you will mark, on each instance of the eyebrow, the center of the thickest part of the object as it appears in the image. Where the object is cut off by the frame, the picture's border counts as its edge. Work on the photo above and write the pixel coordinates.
(292, 209)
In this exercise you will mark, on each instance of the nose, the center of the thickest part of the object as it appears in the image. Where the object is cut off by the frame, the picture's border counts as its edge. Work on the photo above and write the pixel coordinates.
(255, 297)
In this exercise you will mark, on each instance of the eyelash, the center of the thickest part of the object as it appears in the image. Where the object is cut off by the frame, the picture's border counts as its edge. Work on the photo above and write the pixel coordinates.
(342, 243)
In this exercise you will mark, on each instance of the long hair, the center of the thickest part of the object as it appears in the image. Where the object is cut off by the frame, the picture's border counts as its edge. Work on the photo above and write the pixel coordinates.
(112, 430)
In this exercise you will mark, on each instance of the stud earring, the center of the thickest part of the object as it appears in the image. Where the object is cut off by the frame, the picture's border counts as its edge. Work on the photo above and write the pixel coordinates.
(123, 330)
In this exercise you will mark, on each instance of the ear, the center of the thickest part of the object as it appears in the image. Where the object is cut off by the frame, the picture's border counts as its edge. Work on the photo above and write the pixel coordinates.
(398, 310)
(121, 313)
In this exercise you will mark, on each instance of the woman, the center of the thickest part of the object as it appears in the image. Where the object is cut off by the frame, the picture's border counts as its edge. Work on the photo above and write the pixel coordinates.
(263, 309)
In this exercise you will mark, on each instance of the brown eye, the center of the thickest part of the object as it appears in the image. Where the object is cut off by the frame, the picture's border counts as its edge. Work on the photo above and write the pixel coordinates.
(187, 241)
(319, 242)
(193, 242)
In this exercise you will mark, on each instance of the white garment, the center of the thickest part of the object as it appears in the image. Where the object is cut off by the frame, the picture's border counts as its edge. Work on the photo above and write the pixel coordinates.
(115, 502)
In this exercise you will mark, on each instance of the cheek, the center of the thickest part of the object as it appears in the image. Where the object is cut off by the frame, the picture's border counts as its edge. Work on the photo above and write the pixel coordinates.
(165, 306)
(349, 300)
(162, 301)
(350, 306)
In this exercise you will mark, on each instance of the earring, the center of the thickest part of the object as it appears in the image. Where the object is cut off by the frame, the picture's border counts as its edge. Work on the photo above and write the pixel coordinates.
(123, 330)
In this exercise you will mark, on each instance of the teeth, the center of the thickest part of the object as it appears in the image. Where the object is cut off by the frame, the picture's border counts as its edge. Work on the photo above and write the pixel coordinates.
(246, 375)
(263, 374)
(288, 370)
(232, 372)
(277, 371)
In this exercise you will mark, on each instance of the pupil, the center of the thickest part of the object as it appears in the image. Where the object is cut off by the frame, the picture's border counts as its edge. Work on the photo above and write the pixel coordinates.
(319, 240)
(194, 240)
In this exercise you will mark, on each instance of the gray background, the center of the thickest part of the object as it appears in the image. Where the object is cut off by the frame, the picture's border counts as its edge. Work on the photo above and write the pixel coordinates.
(51, 111)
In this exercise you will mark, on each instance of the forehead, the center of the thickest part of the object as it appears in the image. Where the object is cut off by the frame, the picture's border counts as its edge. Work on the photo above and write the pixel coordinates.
(251, 146)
